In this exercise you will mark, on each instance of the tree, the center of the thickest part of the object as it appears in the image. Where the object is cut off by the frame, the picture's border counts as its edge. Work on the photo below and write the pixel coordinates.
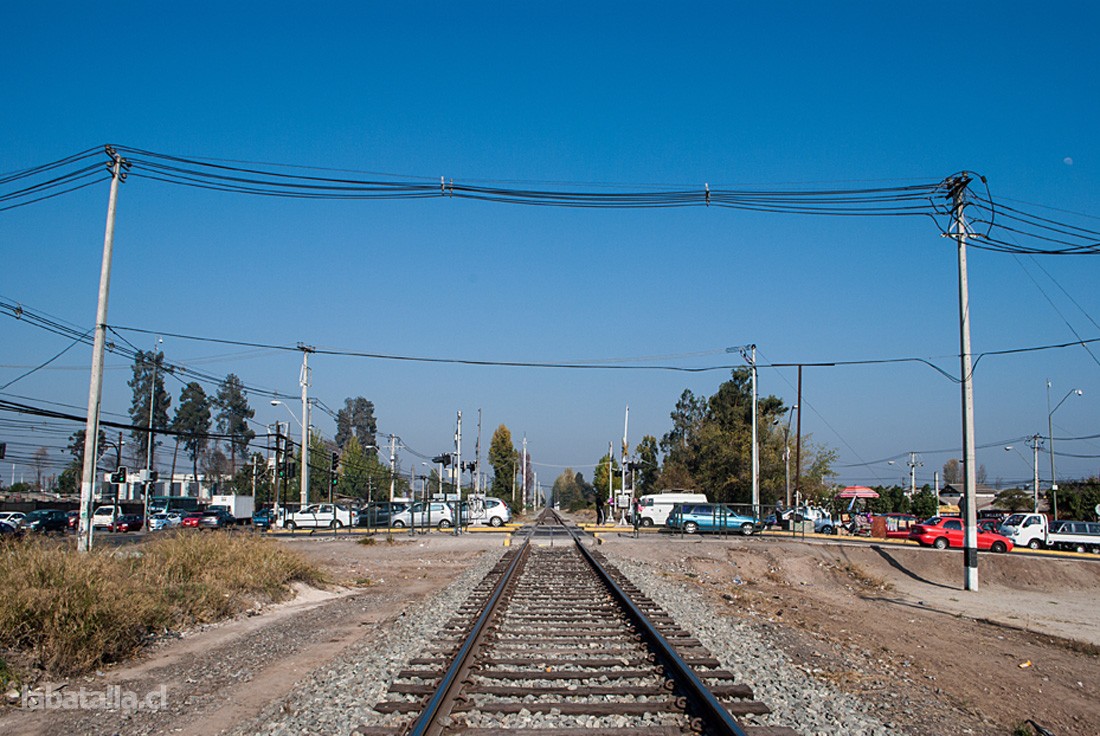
(504, 460)
(649, 470)
(952, 471)
(233, 415)
(143, 385)
(1013, 499)
(73, 474)
(357, 420)
(192, 421)
(925, 504)
(599, 475)
(568, 493)
(358, 471)
(981, 477)
(39, 460)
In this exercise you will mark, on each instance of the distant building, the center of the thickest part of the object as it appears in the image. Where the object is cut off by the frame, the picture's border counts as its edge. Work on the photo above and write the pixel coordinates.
(952, 493)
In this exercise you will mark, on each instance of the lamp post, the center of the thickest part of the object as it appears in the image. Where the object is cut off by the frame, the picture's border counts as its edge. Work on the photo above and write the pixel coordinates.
(1050, 439)
(1036, 441)
(748, 354)
(304, 490)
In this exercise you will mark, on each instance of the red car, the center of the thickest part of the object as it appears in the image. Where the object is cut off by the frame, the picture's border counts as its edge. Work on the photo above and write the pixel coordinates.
(126, 523)
(191, 521)
(941, 532)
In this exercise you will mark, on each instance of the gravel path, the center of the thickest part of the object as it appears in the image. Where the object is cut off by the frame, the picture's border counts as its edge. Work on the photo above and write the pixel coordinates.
(797, 699)
(337, 698)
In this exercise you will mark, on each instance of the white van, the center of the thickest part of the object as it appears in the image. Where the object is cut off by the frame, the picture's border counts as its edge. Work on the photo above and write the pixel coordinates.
(104, 516)
(656, 507)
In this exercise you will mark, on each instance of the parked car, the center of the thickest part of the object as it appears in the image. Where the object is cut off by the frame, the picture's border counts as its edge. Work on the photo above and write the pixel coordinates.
(74, 520)
(485, 510)
(191, 521)
(165, 520)
(7, 529)
(127, 523)
(46, 520)
(942, 532)
(216, 518)
(320, 516)
(104, 515)
(15, 518)
(263, 519)
(380, 513)
(710, 517)
(435, 513)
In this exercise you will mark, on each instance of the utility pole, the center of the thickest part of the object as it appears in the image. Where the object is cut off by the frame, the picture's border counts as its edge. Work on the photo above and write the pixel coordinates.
(523, 480)
(393, 463)
(913, 464)
(149, 439)
(304, 381)
(958, 187)
(95, 382)
(458, 474)
(477, 457)
(749, 354)
(1036, 441)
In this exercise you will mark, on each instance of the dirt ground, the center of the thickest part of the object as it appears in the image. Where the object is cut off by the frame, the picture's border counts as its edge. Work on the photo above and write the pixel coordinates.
(218, 677)
(891, 624)
(894, 625)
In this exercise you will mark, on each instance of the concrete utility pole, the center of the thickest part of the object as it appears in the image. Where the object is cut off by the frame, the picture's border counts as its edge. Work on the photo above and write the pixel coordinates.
(304, 381)
(149, 439)
(913, 464)
(477, 457)
(393, 463)
(523, 480)
(458, 473)
(749, 354)
(970, 535)
(95, 383)
(1035, 442)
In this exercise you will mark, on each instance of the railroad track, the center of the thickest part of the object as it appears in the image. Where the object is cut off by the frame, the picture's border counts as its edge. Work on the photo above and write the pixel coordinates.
(557, 642)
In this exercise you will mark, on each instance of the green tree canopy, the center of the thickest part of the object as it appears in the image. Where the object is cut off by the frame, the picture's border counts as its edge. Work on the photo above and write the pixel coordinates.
(357, 420)
(144, 387)
(649, 471)
(233, 415)
(503, 459)
(192, 420)
(599, 475)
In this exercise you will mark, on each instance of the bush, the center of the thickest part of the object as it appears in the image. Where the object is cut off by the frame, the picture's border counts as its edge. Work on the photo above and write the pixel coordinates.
(74, 612)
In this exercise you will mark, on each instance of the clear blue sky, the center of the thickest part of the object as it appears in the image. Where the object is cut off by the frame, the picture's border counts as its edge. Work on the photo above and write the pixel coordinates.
(730, 94)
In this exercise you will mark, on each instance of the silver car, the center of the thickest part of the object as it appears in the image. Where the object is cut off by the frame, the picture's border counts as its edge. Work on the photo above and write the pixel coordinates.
(436, 514)
(165, 520)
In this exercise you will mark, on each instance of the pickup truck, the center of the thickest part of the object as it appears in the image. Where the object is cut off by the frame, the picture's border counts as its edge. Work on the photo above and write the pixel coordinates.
(1036, 531)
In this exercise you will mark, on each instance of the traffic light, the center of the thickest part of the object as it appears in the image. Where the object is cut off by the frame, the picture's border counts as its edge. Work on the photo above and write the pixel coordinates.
(334, 477)
(119, 476)
(3, 449)
(442, 459)
(154, 476)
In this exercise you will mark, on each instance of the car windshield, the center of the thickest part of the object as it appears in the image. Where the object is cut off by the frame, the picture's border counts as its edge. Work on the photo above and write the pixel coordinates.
(1014, 520)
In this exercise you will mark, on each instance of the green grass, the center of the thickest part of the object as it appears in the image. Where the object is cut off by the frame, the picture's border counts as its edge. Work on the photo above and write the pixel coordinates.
(68, 613)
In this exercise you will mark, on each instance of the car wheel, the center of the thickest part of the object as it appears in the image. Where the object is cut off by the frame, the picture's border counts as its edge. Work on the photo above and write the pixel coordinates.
(690, 527)
(1033, 544)
(397, 524)
(336, 524)
(827, 530)
(496, 521)
(646, 521)
(444, 524)
(940, 543)
(998, 547)
(1080, 548)
(291, 525)
(746, 529)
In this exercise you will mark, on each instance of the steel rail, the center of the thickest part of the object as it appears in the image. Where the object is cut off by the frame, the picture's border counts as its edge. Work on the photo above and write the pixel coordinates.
(706, 705)
(450, 681)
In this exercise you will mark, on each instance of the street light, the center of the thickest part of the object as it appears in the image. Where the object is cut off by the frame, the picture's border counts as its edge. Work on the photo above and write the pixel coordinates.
(1050, 438)
(304, 495)
(1036, 440)
(787, 451)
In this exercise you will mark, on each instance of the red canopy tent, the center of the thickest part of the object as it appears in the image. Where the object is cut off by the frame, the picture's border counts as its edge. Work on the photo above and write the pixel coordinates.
(857, 492)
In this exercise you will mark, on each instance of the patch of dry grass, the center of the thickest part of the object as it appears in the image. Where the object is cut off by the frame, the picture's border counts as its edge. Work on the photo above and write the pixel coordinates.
(70, 613)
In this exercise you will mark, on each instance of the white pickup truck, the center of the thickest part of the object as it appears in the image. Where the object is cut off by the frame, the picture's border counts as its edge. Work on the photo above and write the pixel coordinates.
(1035, 531)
